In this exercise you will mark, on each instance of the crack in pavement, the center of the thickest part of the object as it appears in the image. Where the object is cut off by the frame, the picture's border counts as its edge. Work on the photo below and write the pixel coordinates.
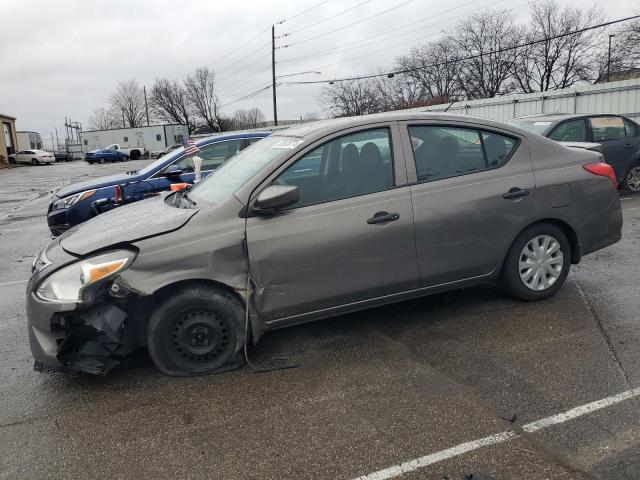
(603, 332)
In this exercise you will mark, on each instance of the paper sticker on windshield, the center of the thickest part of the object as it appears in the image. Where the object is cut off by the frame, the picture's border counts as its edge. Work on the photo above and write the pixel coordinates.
(287, 143)
(542, 123)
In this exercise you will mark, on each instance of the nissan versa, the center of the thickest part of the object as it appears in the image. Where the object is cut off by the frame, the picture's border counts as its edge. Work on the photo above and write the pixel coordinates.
(316, 221)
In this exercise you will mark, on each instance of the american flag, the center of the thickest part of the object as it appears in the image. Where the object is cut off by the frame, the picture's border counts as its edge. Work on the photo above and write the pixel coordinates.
(190, 147)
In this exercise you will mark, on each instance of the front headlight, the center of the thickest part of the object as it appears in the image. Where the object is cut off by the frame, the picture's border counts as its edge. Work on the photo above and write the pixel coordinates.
(67, 284)
(71, 200)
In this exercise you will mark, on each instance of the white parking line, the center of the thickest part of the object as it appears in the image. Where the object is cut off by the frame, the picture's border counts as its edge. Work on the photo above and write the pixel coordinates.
(12, 283)
(411, 465)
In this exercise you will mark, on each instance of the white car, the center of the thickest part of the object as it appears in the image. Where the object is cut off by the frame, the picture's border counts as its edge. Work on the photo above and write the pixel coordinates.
(34, 157)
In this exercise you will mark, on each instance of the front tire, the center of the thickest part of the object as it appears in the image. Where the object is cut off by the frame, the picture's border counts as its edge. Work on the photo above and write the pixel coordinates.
(102, 161)
(632, 179)
(538, 263)
(198, 330)
(34, 162)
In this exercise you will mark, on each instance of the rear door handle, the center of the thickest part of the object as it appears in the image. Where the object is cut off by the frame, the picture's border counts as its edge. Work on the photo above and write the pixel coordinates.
(382, 217)
(516, 192)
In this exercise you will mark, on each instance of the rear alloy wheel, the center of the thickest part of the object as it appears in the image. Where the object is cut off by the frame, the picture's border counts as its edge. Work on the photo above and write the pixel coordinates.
(102, 161)
(538, 263)
(632, 179)
(34, 162)
(197, 331)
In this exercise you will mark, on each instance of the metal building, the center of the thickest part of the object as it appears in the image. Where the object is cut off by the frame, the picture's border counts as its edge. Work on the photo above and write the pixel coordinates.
(621, 97)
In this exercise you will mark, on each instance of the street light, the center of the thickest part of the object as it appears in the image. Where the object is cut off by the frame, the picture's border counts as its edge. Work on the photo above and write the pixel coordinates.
(611, 35)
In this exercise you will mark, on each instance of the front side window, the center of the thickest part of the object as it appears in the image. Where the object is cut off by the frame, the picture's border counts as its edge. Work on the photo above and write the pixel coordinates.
(216, 154)
(570, 131)
(348, 166)
(607, 128)
(443, 152)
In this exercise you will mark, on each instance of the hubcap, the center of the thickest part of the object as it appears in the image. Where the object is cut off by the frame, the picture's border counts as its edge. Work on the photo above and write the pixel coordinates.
(541, 262)
(633, 179)
(200, 336)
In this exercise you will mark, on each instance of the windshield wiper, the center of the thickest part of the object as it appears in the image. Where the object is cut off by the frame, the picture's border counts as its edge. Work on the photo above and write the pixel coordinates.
(183, 195)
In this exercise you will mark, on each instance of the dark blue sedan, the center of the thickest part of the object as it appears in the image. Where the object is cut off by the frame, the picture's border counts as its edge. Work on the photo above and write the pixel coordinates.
(79, 202)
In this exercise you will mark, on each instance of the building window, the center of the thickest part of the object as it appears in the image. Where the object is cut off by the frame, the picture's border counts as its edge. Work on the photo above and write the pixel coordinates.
(126, 139)
(158, 137)
(86, 142)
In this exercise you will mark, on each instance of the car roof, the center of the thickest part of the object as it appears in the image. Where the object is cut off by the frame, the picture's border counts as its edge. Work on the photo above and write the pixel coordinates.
(558, 117)
(322, 127)
(233, 136)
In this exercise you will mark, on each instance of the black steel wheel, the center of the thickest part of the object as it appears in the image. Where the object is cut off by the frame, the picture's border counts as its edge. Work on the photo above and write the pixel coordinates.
(198, 330)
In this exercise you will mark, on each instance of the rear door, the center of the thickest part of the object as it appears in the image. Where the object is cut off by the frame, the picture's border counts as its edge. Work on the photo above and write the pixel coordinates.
(610, 132)
(472, 189)
(349, 238)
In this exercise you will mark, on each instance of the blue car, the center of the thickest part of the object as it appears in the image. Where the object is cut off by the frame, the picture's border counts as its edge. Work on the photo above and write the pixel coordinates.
(79, 202)
(104, 155)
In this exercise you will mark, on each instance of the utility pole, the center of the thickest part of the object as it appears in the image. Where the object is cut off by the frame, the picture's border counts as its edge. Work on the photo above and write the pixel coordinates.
(611, 35)
(273, 73)
(146, 107)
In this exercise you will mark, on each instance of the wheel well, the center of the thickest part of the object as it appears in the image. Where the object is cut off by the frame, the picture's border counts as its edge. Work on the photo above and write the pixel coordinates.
(159, 294)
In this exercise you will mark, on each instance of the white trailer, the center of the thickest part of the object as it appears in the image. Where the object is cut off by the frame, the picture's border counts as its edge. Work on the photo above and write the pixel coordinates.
(29, 140)
(147, 139)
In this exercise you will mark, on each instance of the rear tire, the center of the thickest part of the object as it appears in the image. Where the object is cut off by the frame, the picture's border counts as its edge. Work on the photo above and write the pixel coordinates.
(34, 162)
(198, 330)
(631, 181)
(538, 263)
(102, 161)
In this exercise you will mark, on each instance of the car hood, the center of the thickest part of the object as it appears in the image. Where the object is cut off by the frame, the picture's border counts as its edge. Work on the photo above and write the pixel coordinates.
(136, 221)
(100, 182)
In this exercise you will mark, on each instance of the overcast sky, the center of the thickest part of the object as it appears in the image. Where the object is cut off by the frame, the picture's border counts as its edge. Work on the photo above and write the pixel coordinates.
(63, 58)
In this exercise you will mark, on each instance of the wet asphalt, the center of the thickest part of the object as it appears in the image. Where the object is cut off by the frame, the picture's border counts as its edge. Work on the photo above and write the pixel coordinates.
(372, 389)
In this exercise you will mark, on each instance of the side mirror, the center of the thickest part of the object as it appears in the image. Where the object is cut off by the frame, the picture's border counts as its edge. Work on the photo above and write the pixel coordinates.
(276, 197)
(173, 171)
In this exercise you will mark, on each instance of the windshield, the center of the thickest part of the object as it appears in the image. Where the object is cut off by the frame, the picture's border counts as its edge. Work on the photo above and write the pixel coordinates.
(153, 165)
(535, 126)
(227, 179)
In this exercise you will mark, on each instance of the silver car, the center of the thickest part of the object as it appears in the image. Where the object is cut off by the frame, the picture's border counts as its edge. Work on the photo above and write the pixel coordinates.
(316, 221)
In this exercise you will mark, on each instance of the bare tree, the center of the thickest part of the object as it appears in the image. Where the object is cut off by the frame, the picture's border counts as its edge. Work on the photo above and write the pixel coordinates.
(556, 63)
(432, 68)
(310, 117)
(244, 119)
(170, 103)
(101, 119)
(484, 37)
(351, 97)
(200, 90)
(399, 91)
(128, 102)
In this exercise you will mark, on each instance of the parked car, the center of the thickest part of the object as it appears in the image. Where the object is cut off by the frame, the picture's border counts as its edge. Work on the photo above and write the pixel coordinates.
(164, 151)
(619, 136)
(62, 157)
(33, 157)
(104, 156)
(132, 153)
(384, 208)
(79, 202)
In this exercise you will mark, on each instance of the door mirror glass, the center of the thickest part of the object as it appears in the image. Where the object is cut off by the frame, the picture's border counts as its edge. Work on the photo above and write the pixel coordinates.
(277, 197)
(173, 171)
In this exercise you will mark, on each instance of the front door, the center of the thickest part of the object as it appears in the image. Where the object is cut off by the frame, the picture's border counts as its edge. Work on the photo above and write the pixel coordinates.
(350, 236)
(473, 189)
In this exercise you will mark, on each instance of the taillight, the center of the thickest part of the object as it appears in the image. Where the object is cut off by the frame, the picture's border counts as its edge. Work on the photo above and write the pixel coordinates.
(118, 193)
(602, 170)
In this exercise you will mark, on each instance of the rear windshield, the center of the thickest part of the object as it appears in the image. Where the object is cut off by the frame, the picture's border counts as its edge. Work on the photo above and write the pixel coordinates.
(535, 126)
(237, 171)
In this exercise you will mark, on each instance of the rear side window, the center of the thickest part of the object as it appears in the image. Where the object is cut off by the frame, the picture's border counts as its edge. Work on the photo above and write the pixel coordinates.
(630, 128)
(443, 152)
(347, 166)
(607, 128)
(570, 131)
(216, 154)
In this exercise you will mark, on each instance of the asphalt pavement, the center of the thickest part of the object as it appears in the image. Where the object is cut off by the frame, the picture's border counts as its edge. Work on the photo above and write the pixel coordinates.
(469, 384)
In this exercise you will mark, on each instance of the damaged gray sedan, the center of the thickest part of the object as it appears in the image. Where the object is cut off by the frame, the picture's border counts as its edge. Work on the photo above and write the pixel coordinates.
(316, 221)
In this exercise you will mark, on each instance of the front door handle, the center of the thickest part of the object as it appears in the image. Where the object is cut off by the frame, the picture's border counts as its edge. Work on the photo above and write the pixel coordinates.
(382, 217)
(628, 145)
(516, 192)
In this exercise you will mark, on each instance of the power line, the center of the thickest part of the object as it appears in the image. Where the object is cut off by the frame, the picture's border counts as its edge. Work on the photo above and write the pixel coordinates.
(470, 57)
(346, 46)
(302, 12)
(324, 19)
(257, 50)
(238, 48)
(352, 24)
(252, 94)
